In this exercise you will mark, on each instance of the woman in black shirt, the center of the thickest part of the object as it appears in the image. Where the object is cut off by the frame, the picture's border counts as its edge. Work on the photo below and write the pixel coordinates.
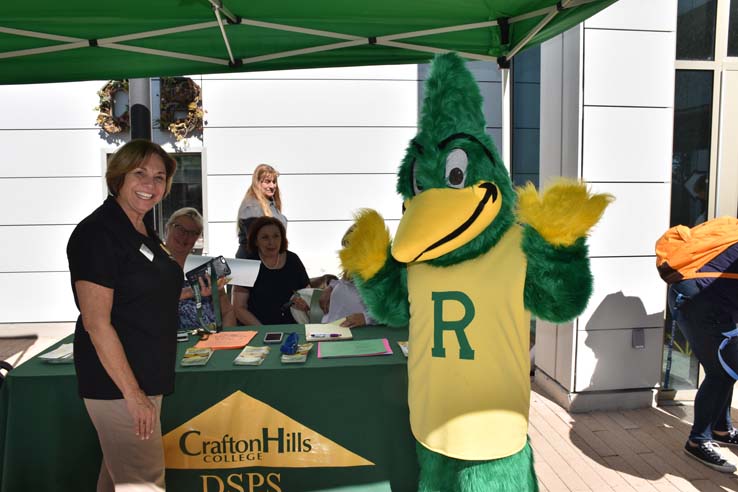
(126, 287)
(281, 274)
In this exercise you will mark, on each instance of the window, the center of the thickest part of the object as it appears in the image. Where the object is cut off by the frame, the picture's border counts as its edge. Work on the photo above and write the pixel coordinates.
(186, 190)
(689, 189)
(691, 151)
(526, 116)
(696, 29)
(733, 29)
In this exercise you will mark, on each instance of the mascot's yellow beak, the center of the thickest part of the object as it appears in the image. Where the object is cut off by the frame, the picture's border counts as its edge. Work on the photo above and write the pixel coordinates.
(440, 220)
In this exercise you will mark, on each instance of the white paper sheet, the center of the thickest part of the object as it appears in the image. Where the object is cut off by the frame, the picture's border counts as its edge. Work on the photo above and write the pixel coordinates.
(62, 351)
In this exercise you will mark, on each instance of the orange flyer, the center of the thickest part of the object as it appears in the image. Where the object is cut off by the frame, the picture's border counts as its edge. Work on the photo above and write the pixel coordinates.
(227, 340)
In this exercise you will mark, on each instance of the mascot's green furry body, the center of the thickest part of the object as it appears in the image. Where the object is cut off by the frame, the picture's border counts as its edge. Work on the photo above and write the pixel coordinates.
(464, 272)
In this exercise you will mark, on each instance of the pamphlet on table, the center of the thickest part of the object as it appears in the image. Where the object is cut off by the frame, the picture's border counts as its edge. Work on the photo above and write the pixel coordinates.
(327, 332)
(298, 357)
(195, 356)
(251, 356)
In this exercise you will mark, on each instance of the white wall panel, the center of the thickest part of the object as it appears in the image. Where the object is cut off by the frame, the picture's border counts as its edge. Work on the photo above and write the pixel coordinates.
(491, 103)
(34, 248)
(627, 144)
(632, 223)
(317, 244)
(551, 143)
(386, 72)
(554, 352)
(565, 364)
(628, 293)
(311, 197)
(225, 194)
(571, 102)
(546, 347)
(606, 360)
(47, 297)
(44, 106)
(48, 200)
(30, 153)
(310, 103)
(649, 15)
(626, 68)
(307, 150)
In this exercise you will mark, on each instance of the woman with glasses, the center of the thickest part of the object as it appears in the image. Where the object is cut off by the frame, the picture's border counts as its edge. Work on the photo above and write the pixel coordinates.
(262, 199)
(184, 228)
(126, 286)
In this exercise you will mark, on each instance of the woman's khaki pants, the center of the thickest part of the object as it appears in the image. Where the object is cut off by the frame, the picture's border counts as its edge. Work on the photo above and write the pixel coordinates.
(129, 463)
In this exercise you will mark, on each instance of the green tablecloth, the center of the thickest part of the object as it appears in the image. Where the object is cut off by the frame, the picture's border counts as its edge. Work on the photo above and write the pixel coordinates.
(352, 408)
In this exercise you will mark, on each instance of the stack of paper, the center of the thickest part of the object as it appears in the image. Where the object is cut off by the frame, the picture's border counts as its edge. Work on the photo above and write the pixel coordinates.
(251, 356)
(354, 348)
(300, 356)
(61, 355)
(194, 356)
(327, 332)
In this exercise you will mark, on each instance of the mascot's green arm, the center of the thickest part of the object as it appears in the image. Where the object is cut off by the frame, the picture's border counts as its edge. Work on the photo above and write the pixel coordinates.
(558, 281)
(385, 294)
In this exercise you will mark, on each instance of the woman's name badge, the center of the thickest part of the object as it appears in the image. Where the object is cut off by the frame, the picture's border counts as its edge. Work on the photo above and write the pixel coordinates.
(146, 252)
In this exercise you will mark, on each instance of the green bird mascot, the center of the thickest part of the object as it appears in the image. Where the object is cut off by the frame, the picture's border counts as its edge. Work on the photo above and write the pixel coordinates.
(471, 260)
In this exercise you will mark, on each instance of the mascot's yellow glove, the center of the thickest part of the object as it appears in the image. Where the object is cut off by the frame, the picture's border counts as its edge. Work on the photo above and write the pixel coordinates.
(366, 246)
(566, 212)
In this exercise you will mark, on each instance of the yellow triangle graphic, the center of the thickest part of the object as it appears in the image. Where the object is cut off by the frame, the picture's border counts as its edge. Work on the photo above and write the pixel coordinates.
(241, 431)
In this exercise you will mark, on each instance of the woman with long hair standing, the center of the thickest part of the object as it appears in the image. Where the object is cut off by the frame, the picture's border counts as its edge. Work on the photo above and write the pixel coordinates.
(262, 199)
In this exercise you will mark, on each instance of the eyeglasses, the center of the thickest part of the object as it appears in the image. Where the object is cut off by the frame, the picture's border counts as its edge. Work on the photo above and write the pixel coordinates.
(182, 231)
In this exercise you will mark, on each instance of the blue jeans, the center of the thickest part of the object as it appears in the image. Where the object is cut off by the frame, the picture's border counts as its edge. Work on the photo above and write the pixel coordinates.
(703, 324)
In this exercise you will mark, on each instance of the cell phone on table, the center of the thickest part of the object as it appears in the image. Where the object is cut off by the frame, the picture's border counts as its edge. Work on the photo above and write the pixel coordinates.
(273, 337)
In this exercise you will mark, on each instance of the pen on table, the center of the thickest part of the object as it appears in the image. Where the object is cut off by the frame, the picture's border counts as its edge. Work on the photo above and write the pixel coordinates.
(326, 335)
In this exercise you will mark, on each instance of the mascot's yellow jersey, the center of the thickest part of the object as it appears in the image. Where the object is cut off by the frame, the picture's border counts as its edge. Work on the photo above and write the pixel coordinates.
(469, 368)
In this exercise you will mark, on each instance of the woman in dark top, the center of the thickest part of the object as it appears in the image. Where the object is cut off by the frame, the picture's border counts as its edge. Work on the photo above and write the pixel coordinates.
(281, 274)
(126, 287)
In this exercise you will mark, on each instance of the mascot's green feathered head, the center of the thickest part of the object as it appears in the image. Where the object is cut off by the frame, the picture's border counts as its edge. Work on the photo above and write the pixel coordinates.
(458, 195)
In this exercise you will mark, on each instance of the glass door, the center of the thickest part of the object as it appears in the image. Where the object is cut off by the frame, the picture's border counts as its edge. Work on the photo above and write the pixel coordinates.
(726, 202)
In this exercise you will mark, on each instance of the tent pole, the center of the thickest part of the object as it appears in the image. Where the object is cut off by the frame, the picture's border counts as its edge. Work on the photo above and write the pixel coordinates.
(139, 100)
(506, 143)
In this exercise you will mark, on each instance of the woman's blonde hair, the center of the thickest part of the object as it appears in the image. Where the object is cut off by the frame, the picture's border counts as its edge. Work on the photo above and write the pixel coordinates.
(261, 172)
(190, 212)
(129, 157)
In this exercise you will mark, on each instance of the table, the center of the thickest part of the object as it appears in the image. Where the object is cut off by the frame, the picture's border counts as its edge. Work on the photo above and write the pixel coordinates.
(342, 424)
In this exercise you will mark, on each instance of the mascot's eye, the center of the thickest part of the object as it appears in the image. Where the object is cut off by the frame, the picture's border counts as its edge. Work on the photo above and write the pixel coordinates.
(417, 187)
(456, 163)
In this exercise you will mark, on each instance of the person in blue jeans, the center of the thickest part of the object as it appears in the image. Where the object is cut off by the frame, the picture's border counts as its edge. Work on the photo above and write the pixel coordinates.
(706, 311)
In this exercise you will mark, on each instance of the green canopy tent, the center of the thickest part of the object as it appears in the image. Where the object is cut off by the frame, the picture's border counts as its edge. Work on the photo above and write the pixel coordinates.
(53, 41)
